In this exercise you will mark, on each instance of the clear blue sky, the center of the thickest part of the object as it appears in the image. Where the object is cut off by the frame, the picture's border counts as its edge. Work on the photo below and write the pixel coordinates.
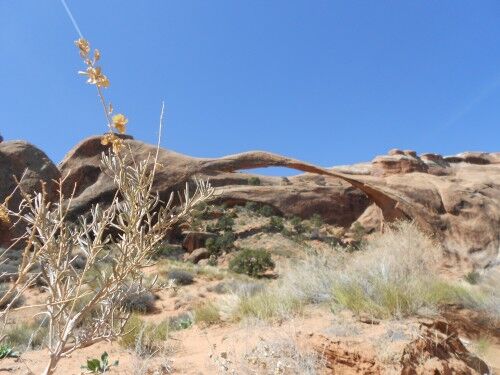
(330, 82)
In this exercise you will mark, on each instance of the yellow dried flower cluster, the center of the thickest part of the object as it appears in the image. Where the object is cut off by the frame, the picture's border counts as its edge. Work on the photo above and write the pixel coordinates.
(93, 72)
(96, 77)
(120, 122)
(4, 215)
(110, 139)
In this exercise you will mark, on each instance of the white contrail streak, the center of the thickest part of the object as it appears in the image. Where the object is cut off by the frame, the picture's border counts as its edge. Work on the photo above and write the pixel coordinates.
(70, 15)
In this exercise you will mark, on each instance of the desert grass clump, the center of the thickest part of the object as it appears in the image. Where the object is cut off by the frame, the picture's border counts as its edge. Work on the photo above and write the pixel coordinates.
(145, 338)
(252, 262)
(206, 314)
(26, 336)
(395, 275)
(273, 303)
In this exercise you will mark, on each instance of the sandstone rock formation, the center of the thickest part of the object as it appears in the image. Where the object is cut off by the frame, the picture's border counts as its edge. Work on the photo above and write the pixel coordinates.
(26, 163)
(456, 198)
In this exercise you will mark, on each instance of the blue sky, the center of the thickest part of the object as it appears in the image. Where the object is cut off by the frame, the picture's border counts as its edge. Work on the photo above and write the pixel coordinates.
(329, 82)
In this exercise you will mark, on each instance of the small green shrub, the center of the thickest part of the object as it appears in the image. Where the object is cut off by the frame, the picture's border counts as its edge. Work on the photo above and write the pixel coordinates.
(96, 366)
(252, 262)
(252, 206)
(275, 225)
(225, 223)
(181, 277)
(206, 314)
(7, 352)
(316, 220)
(358, 231)
(266, 211)
(166, 251)
(179, 322)
(255, 181)
(298, 225)
(220, 243)
(472, 277)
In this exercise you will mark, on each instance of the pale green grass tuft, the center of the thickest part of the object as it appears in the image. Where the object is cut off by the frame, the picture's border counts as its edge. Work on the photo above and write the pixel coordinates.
(206, 314)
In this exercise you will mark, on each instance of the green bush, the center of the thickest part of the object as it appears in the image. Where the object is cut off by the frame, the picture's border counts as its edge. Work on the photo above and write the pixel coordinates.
(266, 211)
(220, 243)
(255, 181)
(225, 223)
(251, 262)
(275, 225)
(252, 206)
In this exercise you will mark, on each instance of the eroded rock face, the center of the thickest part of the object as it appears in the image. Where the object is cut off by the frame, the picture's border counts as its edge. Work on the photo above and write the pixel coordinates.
(30, 165)
(398, 162)
(438, 350)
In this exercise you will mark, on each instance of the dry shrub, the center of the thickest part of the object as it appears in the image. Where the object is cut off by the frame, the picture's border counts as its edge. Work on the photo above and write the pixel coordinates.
(86, 304)
(394, 275)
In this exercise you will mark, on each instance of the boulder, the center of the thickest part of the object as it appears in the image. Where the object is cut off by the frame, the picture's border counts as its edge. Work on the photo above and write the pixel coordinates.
(22, 161)
(197, 255)
(194, 240)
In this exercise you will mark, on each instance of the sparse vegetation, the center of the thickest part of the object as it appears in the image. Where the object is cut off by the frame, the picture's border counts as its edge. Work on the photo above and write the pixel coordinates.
(139, 299)
(24, 336)
(472, 277)
(206, 314)
(99, 366)
(252, 206)
(394, 276)
(266, 211)
(224, 242)
(298, 225)
(180, 276)
(316, 220)
(275, 225)
(252, 262)
(182, 321)
(225, 223)
(7, 352)
(255, 181)
(145, 338)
